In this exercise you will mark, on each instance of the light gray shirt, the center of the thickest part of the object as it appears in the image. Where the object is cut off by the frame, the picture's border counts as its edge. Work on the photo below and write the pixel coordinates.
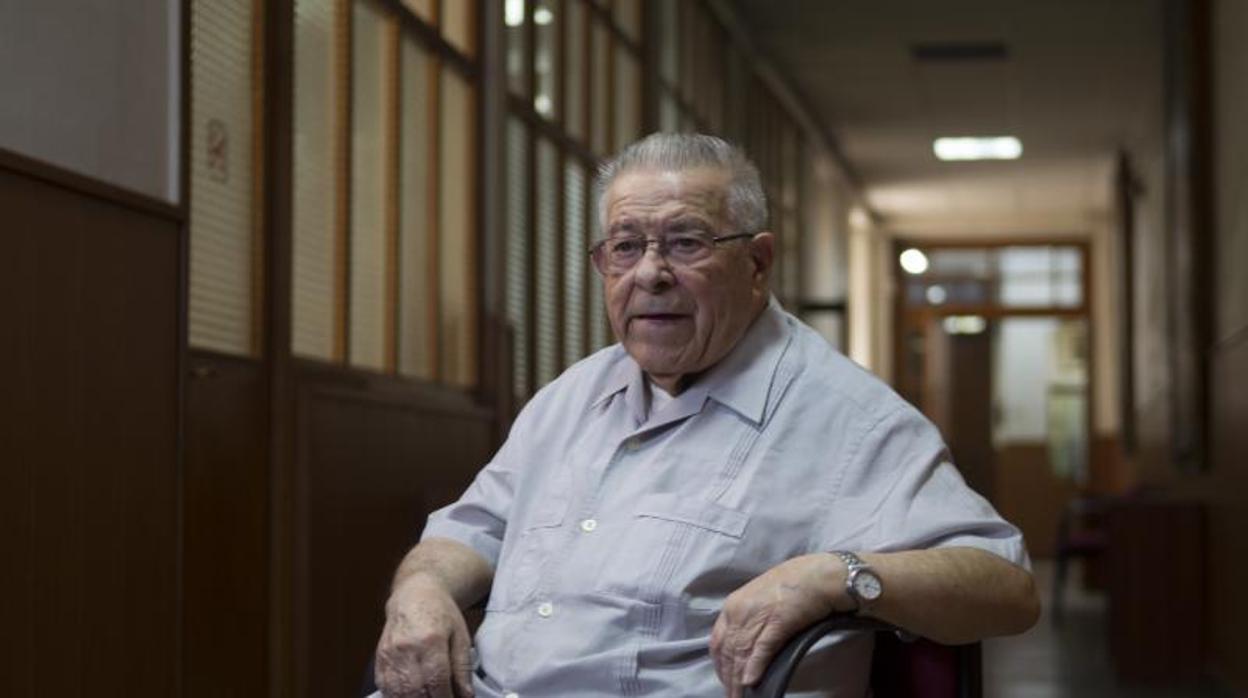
(617, 531)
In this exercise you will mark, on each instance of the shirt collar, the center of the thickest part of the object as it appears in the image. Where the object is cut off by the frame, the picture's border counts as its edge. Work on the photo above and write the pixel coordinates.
(741, 381)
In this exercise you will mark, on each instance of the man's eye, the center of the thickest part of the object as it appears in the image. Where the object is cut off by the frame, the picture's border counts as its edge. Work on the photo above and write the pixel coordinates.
(685, 244)
(629, 246)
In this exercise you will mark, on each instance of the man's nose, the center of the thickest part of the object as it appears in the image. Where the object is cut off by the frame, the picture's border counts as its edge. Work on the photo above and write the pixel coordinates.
(652, 270)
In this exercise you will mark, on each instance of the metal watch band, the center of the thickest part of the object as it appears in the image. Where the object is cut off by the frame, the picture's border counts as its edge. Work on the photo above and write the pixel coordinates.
(851, 560)
(853, 564)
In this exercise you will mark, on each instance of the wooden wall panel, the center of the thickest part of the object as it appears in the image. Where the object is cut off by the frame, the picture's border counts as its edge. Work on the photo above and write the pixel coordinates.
(374, 468)
(1226, 568)
(88, 428)
(970, 410)
(226, 488)
(1029, 495)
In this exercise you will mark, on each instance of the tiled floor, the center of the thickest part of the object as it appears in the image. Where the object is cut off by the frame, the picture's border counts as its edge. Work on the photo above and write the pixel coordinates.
(1070, 660)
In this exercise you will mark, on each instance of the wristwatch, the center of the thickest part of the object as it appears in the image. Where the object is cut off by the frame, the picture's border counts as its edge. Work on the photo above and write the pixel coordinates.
(861, 582)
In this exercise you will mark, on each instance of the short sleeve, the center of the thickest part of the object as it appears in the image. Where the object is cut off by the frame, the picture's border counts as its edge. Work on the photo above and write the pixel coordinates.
(478, 519)
(900, 491)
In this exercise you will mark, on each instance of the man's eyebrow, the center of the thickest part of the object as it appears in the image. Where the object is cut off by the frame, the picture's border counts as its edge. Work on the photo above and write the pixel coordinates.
(686, 221)
(624, 226)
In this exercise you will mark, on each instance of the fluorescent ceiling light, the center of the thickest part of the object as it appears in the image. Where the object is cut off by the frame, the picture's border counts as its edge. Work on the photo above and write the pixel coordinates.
(913, 261)
(513, 13)
(965, 324)
(995, 148)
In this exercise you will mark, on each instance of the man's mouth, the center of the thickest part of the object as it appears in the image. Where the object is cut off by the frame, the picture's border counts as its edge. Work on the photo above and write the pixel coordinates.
(660, 317)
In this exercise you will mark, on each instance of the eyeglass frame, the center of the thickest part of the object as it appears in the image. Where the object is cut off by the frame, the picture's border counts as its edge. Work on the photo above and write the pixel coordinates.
(660, 242)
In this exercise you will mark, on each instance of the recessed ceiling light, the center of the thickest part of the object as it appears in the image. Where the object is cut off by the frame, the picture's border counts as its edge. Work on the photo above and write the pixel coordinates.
(994, 148)
(543, 16)
(913, 261)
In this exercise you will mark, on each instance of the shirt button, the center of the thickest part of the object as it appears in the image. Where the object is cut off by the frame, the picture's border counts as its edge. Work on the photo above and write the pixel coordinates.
(633, 444)
(588, 525)
(545, 609)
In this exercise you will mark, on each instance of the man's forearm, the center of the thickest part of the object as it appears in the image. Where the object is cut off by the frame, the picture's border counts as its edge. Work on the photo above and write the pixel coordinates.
(954, 595)
(457, 568)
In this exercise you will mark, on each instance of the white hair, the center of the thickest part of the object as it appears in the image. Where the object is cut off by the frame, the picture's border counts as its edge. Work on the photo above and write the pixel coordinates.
(675, 152)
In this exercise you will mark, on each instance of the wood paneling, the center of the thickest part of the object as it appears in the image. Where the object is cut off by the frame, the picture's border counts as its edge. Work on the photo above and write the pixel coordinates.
(373, 466)
(970, 410)
(1227, 510)
(1029, 495)
(88, 427)
(226, 527)
(1156, 611)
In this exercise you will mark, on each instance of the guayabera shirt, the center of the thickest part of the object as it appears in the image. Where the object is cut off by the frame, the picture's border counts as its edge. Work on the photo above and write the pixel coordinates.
(616, 530)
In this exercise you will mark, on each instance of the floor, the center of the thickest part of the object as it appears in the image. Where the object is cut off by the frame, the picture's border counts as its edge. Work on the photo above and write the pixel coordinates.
(1066, 660)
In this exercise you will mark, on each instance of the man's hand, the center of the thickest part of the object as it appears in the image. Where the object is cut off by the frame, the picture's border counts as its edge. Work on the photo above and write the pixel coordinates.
(424, 649)
(761, 616)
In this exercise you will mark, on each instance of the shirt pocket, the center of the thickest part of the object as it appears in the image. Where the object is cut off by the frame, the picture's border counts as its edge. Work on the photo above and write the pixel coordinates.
(517, 579)
(677, 547)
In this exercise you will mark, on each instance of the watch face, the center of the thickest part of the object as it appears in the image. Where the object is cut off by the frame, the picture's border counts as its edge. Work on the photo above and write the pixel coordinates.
(868, 586)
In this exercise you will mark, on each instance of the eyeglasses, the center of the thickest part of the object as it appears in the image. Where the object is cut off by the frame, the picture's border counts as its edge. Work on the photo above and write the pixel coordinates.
(618, 255)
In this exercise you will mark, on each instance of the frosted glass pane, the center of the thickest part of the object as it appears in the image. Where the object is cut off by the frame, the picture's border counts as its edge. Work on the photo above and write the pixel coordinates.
(575, 263)
(417, 298)
(628, 17)
(222, 229)
(368, 197)
(546, 57)
(314, 287)
(94, 87)
(600, 90)
(1040, 384)
(547, 227)
(669, 41)
(599, 335)
(627, 97)
(669, 114)
(457, 232)
(517, 302)
(422, 8)
(459, 24)
(517, 45)
(1040, 276)
(574, 70)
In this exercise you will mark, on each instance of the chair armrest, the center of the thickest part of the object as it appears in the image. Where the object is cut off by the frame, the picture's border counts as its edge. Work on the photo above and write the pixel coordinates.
(775, 680)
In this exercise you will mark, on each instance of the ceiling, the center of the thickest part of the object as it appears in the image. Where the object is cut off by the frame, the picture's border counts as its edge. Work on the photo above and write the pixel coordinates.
(1079, 80)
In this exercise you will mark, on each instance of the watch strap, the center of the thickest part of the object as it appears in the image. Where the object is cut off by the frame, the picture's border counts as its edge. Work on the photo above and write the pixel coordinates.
(853, 564)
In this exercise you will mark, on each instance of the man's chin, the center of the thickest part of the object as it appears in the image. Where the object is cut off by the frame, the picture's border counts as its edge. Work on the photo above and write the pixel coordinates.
(658, 363)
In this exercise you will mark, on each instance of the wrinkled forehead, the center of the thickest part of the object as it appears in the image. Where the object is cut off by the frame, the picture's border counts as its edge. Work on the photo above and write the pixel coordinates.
(651, 194)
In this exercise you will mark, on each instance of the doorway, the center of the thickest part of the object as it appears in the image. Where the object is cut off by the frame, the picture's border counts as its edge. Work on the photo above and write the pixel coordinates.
(992, 344)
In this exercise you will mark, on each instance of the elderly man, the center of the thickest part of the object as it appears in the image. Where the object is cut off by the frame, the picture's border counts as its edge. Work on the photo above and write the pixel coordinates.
(671, 509)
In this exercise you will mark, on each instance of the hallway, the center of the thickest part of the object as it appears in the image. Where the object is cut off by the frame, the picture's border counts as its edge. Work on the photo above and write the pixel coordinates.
(1070, 660)
(277, 277)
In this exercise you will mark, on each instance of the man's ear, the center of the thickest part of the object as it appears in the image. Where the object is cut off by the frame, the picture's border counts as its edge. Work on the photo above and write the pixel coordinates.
(763, 252)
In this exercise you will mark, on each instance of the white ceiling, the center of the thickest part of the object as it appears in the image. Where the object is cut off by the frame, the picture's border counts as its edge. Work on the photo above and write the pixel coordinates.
(1082, 79)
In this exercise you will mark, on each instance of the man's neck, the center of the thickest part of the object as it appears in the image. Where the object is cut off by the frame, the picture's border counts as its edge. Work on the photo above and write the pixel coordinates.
(672, 385)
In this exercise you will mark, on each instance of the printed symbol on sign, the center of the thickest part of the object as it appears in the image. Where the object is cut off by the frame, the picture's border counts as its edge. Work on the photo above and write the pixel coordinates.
(218, 142)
